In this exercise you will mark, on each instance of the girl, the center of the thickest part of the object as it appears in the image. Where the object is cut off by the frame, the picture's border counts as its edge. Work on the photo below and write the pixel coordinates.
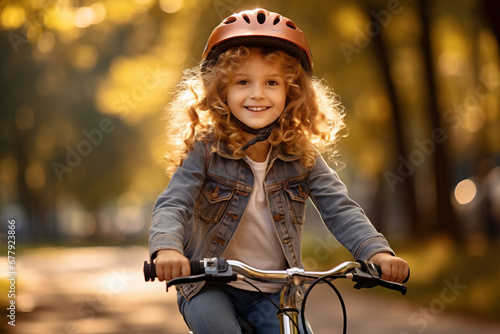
(249, 125)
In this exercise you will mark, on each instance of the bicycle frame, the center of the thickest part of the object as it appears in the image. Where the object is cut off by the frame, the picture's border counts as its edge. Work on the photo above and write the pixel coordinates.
(291, 293)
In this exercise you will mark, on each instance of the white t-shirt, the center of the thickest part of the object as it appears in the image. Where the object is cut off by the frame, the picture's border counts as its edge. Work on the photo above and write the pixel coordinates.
(255, 241)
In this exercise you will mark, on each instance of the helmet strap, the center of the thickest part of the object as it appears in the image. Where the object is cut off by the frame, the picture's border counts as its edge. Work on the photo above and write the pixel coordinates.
(260, 134)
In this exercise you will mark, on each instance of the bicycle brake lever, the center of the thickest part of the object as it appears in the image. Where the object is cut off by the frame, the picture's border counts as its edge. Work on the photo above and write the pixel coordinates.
(224, 278)
(393, 286)
(185, 279)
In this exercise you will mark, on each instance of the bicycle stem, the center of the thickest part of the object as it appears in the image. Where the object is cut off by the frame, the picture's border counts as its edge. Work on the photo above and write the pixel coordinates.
(290, 299)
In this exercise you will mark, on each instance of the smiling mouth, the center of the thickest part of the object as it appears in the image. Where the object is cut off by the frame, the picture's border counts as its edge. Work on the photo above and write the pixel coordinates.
(257, 108)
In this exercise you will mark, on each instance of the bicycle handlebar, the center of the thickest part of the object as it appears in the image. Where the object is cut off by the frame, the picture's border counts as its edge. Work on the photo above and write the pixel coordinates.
(366, 274)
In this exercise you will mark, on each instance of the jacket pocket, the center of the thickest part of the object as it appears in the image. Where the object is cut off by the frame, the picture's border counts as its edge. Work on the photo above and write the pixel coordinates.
(297, 196)
(213, 201)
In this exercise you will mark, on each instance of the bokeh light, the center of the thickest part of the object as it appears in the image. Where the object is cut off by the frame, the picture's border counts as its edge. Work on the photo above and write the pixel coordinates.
(46, 42)
(99, 12)
(35, 176)
(12, 17)
(465, 191)
(85, 57)
(452, 64)
(170, 6)
(84, 17)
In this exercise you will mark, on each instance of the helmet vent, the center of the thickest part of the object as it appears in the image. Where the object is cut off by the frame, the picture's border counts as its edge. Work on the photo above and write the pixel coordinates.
(291, 25)
(246, 18)
(230, 20)
(261, 18)
(276, 21)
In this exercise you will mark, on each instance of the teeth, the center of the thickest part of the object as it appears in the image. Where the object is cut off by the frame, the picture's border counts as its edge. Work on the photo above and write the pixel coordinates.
(257, 108)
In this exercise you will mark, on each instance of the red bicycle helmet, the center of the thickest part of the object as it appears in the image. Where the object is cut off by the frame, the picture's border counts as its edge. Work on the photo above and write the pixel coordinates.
(258, 27)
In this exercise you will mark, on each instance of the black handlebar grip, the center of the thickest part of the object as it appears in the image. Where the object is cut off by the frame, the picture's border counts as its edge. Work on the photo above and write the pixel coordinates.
(149, 271)
(197, 267)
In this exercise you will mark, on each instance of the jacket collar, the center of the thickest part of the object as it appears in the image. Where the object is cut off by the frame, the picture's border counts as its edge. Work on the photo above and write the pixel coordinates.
(277, 152)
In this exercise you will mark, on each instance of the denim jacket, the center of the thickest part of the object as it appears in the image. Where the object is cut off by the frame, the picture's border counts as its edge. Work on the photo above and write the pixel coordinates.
(206, 198)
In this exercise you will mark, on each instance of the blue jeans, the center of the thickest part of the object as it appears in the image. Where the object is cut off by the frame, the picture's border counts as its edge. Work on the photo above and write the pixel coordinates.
(223, 309)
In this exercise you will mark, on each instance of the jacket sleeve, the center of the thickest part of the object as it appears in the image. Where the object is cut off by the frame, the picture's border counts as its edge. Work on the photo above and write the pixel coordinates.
(344, 217)
(174, 207)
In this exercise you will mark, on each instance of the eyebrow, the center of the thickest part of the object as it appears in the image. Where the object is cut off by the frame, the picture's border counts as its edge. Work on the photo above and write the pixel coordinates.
(244, 74)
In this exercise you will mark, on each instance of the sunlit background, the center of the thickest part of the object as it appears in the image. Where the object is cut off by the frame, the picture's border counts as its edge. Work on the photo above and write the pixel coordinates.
(83, 85)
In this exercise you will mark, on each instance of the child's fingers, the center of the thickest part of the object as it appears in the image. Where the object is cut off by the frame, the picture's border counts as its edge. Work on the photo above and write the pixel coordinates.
(164, 272)
(171, 264)
(386, 269)
(159, 272)
(176, 271)
(406, 272)
(395, 270)
(185, 268)
(399, 271)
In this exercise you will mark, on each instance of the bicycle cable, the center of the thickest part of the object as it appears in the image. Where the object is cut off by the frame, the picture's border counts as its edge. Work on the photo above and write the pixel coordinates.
(341, 300)
(268, 298)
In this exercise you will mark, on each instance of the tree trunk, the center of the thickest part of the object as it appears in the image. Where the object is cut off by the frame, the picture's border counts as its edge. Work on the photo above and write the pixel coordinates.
(406, 190)
(445, 215)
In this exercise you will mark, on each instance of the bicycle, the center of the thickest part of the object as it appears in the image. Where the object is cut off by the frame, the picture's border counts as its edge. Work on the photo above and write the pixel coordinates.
(366, 274)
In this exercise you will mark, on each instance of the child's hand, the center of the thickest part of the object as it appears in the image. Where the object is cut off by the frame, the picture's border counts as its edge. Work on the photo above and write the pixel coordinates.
(171, 264)
(393, 268)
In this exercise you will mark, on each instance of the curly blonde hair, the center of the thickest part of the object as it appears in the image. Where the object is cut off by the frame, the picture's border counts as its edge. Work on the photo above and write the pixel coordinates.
(311, 121)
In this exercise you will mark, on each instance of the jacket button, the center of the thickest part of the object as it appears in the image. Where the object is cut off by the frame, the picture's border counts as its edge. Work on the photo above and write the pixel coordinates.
(277, 217)
(215, 193)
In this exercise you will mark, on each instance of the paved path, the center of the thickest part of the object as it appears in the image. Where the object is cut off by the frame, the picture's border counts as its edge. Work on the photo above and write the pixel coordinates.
(101, 290)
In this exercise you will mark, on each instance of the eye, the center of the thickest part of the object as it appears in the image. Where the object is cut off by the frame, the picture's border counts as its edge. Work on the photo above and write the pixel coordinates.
(272, 83)
(242, 82)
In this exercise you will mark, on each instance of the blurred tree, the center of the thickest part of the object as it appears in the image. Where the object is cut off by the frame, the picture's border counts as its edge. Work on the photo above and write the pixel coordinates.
(446, 220)
(407, 189)
(491, 10)
(19, 122)
(485, 170)
(61, 145)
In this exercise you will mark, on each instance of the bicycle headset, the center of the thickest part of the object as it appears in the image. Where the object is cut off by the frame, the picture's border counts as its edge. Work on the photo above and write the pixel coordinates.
(262, 28)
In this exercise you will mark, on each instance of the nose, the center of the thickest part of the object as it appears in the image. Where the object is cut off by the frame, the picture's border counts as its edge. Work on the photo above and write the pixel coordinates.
(257, 92)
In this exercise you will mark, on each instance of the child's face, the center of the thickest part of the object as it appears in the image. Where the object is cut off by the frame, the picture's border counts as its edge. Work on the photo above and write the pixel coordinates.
(257, 93)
